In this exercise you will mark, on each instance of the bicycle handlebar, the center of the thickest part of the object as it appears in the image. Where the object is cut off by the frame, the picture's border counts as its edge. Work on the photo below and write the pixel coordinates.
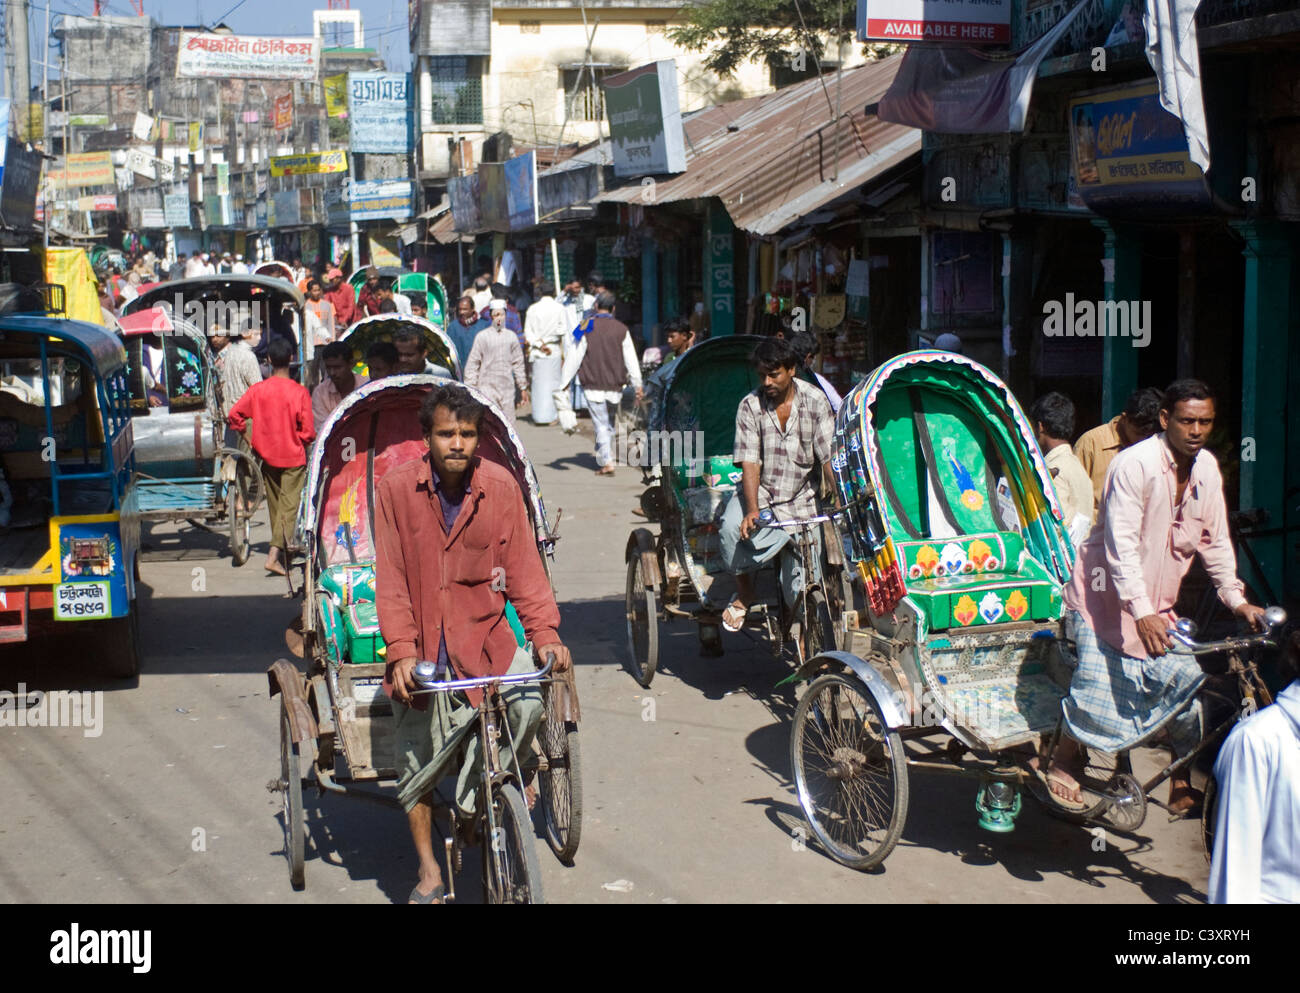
(1184, 632)
(424, 678)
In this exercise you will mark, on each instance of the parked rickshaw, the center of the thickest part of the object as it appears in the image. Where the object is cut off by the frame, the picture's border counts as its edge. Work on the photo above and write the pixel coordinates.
(692, 433)
(955, 530)
(274, 269)
(388, 276)
(434, 294)
(184, 470)
(439, 349)
(69, 515)
(228, 301)
(337, 709)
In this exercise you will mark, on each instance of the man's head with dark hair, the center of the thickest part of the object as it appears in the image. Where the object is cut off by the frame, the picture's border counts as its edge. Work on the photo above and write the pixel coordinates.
(449, 419)
(410, 349)
(1052, 416)
(774, 353)
(679, 335)
(481, 283)
(419, 304)
(280, 352)
(466, 310)
(500, 291)
(545, 288)
(595, 282)
(388, 306)
(336, 350)
(605, 301)
(336, 357)
(382, 359)
(1187, 417)
(805, 345)
(1141, 416)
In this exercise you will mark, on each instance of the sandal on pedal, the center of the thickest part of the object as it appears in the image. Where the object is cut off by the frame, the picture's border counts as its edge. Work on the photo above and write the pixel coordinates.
(436, 897)
(1061, 801)
(733, 617)
(1193, 809)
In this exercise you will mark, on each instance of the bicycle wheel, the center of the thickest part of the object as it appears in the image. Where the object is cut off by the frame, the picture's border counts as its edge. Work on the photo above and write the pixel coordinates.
(561, 784)
(240, 527)
(511, 872)
(1209, 811)
(850, 771)
(642, 624)
(291, 784)
(820, 635)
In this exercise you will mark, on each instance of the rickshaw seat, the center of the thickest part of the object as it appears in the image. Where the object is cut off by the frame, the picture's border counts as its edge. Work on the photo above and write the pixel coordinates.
(978, 579)
(352, 619)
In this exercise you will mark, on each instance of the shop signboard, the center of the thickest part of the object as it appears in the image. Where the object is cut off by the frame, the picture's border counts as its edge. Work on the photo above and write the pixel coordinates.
(176, 209)
(85, 169)
(310, 163)
(284, 112)
(381, 199)
(201, 55)
(336, 95)
(493, 206)
(1128, 151)
(379, 112)
(521, 191)
(645, 121)
(466, 213)
(963, 22)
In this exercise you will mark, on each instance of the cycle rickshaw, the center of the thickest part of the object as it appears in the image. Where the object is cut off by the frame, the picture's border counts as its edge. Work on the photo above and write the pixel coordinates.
(954, 528)
(184, 470)
(336, 710)
(692, 433)
(438, 347)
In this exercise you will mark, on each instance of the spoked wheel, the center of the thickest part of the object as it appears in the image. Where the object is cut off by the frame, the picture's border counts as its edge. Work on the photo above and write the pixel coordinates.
(561, 783)
(642, 623)
(849, 770)
(1209, 811)
(243, 495)
(511, 872)
(1110, 790)
(820, 636)
(291, 786)
(240, 528)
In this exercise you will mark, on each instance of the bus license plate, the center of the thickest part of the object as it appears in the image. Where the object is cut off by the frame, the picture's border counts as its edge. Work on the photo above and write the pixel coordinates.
(81, 601)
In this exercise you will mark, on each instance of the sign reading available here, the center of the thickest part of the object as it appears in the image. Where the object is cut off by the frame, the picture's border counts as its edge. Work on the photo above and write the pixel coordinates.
(969, 22)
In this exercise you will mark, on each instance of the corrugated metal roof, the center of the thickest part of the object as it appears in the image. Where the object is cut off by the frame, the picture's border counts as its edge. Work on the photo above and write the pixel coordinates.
(771, 159)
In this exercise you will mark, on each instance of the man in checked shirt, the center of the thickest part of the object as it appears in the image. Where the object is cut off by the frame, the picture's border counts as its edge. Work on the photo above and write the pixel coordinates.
(783, 431)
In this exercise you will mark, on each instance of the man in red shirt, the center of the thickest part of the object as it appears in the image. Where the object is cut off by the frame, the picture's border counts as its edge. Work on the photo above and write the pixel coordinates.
(453, 542)
(368, 300)
(282, 429)
(343, 298)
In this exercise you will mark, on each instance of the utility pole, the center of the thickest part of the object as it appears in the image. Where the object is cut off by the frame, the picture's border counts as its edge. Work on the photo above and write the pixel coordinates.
(22, 85)
(45, 121)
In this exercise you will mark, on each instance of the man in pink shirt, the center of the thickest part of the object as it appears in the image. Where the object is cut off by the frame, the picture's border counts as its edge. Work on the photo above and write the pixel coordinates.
(282, 429)
(1162, 503)
(338, 382)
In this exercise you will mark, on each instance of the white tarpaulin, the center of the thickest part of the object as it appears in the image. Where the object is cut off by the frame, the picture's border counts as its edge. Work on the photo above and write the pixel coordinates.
(1173, 54)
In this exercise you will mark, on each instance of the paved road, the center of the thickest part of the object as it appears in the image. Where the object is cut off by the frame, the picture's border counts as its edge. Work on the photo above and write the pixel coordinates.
(169, 802)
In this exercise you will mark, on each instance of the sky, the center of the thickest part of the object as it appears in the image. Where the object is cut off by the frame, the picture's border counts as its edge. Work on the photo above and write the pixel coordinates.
(384, 21)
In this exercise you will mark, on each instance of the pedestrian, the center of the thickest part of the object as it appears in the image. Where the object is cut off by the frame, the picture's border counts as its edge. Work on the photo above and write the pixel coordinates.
(513, 321)
(949, 342)
(495, 366)
(1163, 503)
(296, 272)
(338, 382)
(319, 314)
(282, 430)
(237, 367)
(1096, 448)
(382, 360)
(606, 360)
(1256, 855)
(576, 303)
(544, 331)
(595, 287)
(806, 346)
(342, 297)
(482, 293)
(465, 328)
(401, 301)
(369, 299)
(1052, 418)
(177, 270)
(240, 267)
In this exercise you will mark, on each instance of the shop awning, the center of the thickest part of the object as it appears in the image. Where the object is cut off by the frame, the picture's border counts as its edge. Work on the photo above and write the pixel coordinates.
(773, 159)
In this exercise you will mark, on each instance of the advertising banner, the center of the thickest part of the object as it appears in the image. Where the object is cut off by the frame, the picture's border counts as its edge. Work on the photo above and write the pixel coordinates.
(645, 121)
(140, 161)
(383, 251)
(223, 178)
(196, 137)
(382, 199)
(312, 162)
(379, 112)
(967, 22)
(521, 191)
(85, 169)
(493, 205)
(336, 95)
(1127, 150)
(284, 112)
(98, 201)
(22, 175)
(143, 127)
(232, 56)
(152, 218)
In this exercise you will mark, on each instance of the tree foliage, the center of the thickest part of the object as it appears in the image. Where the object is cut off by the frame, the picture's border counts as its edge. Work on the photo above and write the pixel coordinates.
(735, 32)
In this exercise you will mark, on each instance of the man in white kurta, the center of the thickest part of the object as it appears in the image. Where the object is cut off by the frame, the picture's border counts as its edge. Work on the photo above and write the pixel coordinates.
(545, 327)
(495, 366)
(1257, 830)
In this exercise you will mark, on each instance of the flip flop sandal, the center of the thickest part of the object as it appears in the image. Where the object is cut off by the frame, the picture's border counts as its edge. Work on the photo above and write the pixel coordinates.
(733, 617)
(436, 897)
(1063, 802)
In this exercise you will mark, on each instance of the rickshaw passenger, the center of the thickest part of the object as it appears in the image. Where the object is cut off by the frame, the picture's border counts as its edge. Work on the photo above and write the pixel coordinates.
(339, 381)
(1163, 501)
(783, 430)
(412, 357)
(476, 548)
(381, 360)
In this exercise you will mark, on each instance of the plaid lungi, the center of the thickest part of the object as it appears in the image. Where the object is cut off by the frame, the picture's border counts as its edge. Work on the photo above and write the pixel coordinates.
(1116, 700)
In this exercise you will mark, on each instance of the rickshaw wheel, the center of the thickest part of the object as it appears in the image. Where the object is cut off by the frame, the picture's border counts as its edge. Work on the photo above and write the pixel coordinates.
(642, 624)
(119, 641)
(1209, 811)
(561, 784)
(821, 629)
(850, 771)
(240, 538)
(511, 871)
(291, 780)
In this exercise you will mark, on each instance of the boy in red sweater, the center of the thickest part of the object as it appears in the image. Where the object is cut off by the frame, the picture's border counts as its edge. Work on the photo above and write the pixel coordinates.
(282, 429)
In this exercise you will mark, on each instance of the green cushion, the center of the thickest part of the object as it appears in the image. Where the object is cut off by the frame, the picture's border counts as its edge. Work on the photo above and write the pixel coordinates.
(970, 554)
(361, 624)
(349, 583)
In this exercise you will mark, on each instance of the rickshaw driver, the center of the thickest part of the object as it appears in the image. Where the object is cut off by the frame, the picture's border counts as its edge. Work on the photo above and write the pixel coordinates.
(446, 601)
(1162, 502)
(783, 429)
